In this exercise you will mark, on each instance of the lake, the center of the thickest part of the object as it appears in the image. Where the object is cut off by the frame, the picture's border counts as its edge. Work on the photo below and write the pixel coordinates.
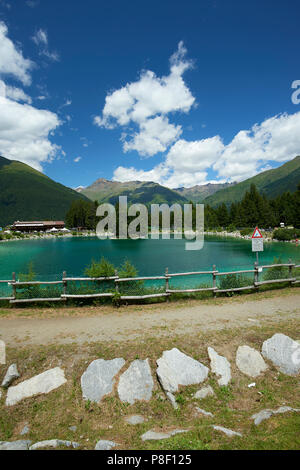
(51, 257)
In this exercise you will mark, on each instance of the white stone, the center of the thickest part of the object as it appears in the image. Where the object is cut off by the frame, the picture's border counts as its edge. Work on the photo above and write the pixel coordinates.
(176, 368)
(98, 379)
(136, 382)
(42, 383)
(2, 352)
(249, 361)
(283, 352)
(226, 431)
(135, 419)
(15, 445)
(203, 412)
(204, 392)
(25, 430)
(54, 443)
(155, 436)
(172, 400)
(220, 366)
(11, 375)
(266, 414)
(105, 445)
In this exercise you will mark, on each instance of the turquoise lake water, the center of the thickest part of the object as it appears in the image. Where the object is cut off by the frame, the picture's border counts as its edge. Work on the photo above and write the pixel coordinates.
(51, 257)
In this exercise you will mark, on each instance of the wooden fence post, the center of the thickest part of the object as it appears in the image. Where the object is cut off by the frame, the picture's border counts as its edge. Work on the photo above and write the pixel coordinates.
(214, 280)
(64, 282)
(116, 283)
(256, 275)
(14, 286)
(167, 281)
(290, 271)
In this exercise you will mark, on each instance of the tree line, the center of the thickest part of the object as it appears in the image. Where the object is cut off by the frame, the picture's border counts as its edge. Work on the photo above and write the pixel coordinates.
(254, 209)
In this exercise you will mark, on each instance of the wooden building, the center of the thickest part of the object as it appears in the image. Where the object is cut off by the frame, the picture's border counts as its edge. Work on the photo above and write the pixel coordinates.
(35, 226)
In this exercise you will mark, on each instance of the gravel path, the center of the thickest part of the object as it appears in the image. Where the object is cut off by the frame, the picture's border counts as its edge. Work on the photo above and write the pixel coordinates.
(158, 320)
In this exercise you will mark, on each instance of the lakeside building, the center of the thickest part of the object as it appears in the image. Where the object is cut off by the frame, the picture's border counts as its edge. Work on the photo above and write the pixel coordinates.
(37, 226)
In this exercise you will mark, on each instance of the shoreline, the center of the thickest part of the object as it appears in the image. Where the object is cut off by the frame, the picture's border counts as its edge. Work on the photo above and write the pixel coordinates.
(86, 234)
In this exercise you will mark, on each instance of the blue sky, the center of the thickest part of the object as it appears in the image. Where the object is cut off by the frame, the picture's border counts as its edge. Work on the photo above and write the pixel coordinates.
(163, 90)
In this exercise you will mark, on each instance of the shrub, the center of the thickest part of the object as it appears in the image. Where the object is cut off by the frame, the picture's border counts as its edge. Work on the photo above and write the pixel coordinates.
(285, 234)
(233, 281)
(278, 272)
(231, 228)
(101, 268)
(127, 270)
(246, 231)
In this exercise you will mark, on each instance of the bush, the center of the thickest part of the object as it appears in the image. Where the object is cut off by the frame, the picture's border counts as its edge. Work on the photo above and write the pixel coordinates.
(285, 234)
(278, 272)
(233, 281)
(127, 270)
(101, 268)
(231, 228)
(246, 231)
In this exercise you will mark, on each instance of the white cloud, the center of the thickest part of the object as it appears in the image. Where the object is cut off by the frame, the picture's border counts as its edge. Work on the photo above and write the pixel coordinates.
(77, 159)
(155, 136)
(32, 3)
(146, 103)
(14, 93)
(195, 155)
(40, 38)
(12, 61)
(24, 133)
(24, 130)
(277, 139)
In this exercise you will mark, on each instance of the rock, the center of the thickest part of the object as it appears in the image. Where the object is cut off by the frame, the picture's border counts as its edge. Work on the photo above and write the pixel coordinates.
(42, 383)
(11, 375)
(220, 366)
(176, 368)
(203, 412)
(2, 353)
(204, 392)
(53, 443)
(25, 430)
(283, 352)
(136, 382)
(105, 445)
(98, 379)
(15, 445)
(73, 428)
(155, 436)
(135, 419)
(172, 400)
(266, 414)
(249, 361)
(226, 431)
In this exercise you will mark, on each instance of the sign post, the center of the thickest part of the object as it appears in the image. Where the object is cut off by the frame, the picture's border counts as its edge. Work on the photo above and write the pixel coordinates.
(257, 242)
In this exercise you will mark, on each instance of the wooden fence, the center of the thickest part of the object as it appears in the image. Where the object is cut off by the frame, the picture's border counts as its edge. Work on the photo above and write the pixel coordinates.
(167, 277)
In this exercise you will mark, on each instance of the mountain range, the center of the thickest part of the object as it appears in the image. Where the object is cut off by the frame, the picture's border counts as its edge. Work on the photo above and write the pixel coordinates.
(27, 194)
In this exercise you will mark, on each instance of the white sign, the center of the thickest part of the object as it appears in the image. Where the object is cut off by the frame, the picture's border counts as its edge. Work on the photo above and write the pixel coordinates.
(257, 244)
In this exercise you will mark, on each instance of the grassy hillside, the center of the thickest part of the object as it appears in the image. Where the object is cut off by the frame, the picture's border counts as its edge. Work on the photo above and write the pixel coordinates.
(27, 194)
(270, 182)
(136, 191)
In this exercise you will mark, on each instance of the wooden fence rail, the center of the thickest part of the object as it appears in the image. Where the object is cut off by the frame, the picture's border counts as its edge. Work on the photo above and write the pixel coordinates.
(167, 277)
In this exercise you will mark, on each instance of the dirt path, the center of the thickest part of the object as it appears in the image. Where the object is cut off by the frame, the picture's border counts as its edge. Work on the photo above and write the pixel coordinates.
(160, 320)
